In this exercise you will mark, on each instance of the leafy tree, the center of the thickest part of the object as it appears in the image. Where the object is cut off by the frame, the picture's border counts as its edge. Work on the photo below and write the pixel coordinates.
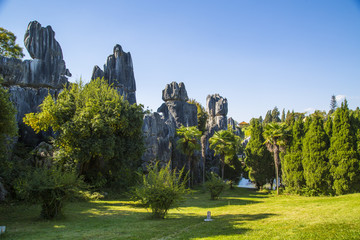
(98, 131)
(51, 187)
(292, 165)
(258, 159)
(188, 143)
(333, 104)
(225, 143)
(161, 189)
(8, 127)
(274, 138)
(202, 115)
(315, 161)
(343, 156)
(8, 47)
(215, 185)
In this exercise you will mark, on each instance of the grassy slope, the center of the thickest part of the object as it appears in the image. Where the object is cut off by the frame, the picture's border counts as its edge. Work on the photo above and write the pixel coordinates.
(239, 214)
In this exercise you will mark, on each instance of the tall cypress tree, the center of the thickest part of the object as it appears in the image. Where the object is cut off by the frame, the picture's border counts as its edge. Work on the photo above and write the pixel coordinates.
(258, 158)
(275, 114)
(315, 161)
(343, 156)
(283, 116)
(292, 168)
(268, 117)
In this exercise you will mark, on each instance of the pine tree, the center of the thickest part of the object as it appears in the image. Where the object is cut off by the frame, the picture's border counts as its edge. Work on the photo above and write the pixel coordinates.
(292, 168)
(343, 156)
(258, 159)
(315, 161)
(333, 104)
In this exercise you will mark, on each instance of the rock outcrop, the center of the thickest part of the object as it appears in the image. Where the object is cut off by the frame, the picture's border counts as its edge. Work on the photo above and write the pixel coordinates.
(47, 69)
(159, 128)
(30, 81)
(232, 124)
(118, 70)
(217, 109)
(176, 106)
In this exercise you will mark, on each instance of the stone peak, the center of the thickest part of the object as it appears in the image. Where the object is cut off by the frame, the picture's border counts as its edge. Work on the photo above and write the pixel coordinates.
(175, 92)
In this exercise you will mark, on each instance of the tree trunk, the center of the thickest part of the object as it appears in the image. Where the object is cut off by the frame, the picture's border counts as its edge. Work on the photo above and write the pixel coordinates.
(189, 165)
(276, 160)
(203, 148)
(222, 166)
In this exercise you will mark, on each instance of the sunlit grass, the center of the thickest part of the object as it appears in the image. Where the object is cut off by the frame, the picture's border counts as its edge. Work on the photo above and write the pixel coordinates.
(239, 214)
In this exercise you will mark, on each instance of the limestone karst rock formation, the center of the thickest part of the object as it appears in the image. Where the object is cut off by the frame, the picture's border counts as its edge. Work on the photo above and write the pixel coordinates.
(217, 109)
(47, 69)
(119, 71)
(176, 105)
(30, 81)
(159, 128)
(232, 124)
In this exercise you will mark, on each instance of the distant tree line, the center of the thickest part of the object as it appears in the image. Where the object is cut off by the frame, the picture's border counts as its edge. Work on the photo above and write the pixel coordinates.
(319, 153)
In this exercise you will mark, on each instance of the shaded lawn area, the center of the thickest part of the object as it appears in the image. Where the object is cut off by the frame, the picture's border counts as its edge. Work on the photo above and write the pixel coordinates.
(239, 214)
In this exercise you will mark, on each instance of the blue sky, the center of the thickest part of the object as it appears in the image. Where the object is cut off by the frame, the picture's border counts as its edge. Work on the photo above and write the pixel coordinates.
(258, 54)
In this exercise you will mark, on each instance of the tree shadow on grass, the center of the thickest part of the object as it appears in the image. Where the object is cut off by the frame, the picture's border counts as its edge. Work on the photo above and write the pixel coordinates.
(196, 227)
(229, 197)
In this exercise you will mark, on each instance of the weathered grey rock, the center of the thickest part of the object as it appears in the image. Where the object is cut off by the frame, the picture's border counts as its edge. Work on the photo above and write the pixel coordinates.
(47, 69)
(119, 71)
(30, 81)
(43, 155)
(176, 107)
(232, 124)
(97, 72)
(159, 128)
(217, 109)
(27, 100)
(158, 136)
(175, 92)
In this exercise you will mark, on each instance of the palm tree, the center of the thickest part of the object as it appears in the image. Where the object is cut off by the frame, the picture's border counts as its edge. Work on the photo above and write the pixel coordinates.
(224, 143)
(274, 135)
(188, 143)
(203, 152)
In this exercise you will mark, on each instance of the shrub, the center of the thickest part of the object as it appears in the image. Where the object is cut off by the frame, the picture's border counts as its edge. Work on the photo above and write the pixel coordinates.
(50, 187)
(215, 185)
(161, 189)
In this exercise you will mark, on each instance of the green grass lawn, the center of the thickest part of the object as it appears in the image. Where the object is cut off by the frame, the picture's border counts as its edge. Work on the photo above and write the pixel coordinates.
(239, 214)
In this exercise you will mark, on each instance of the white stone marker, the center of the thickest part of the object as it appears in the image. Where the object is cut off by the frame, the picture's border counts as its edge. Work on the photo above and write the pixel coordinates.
(208, 218)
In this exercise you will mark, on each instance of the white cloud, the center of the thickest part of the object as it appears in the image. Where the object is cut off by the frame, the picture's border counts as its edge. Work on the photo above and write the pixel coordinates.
(340, 98)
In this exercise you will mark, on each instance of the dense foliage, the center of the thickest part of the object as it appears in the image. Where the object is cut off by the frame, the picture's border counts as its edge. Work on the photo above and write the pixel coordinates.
(51, 187)
(8, 126)
(322, 154)
(8, 47)
(314, 157)
(188, 143)
(98, 132)
(226, 144)
(161, 189)
(215, 185)
(274, 135)
(258, 159)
